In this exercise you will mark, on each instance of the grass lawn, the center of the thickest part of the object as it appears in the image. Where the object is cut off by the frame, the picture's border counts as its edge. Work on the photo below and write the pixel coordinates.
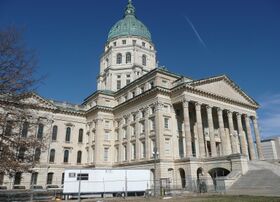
(217, 198)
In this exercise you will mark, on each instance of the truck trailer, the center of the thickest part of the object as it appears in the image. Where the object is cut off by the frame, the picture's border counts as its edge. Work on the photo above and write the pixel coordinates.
(115, 182)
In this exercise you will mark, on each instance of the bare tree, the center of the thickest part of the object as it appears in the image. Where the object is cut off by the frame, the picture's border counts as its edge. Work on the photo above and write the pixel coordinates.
(21, 141)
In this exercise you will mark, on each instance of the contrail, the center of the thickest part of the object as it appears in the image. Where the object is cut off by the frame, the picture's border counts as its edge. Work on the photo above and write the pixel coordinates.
(195, 31)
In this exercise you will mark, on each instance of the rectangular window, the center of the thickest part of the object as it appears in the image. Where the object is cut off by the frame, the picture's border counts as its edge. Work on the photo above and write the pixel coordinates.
(133, 93)
(151, 84)
(123, 42)
(124, 133)
(133, 152)
(125, 153)
(115, 43)
(143, 44)
(132, 131)
(119, 84)
(142, 89)
(167, 147)
(134, 42)
(117, 154)
(106, 154)
(107, 135)
(166, 122)
(118, 76)
(128, 76)
(82, 176)
(143, 149)
(107, 124)
(127, 81)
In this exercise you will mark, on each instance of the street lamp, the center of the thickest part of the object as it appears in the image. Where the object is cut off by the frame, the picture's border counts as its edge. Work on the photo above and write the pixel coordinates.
(155, 156)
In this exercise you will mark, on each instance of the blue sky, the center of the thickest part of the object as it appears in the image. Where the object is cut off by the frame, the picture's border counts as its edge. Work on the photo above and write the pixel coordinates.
(239, 38)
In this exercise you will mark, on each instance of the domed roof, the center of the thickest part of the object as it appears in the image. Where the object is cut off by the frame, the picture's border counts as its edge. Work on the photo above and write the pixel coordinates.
(129, 26)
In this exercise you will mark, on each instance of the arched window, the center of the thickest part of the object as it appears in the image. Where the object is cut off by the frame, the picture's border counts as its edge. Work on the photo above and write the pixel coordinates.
(24, 129)
(37, 154)
(40, 131)
(144, 60)
(79, 157)
(68, 134)
(54, 133)
(119, 58)
(80, 138)
(66, 156)
(34, 178)
(9, 128)
(52, 155)
(50, 178)
(128, 58)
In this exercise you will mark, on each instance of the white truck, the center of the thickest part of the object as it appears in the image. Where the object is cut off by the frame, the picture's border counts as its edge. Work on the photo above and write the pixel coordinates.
(116, 182)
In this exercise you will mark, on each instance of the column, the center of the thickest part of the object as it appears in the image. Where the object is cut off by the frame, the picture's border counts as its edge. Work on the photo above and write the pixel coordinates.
(99, 134)
(159, 137)
(222, 132)
(188, 137)
(241, 135)
(200, 130)
(250, 138)
(258, 139)
(147, 138)
(211, 131)
(231, 133)
(137, 136)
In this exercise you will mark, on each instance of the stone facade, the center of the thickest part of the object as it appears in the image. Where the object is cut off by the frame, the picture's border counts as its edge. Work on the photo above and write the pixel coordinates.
(141, 111)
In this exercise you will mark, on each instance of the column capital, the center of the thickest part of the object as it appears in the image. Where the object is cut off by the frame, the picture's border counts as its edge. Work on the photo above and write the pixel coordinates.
(229, 113)
(219, 109)
(209, 107)
(185, 102)
(238, 115)
(198, 106)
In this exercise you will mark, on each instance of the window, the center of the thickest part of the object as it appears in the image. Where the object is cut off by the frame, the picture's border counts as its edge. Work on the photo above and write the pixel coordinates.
(62, 178)
(1, 178)
(115, 43)
(21, 153)
(133, 117)
(117, 154)
(166, 122)
(123, 42)
(127, 81)
(134, 42)
(106, 154)
(167, 146)
(143, 114)
(68, 134)
(118, 76)
(118, 84)
(82, 176)
(133, 147)
(37, 154)
(24, 129)
(142, 89)
(128, 76)
(124, 133)
(34, 178)
(144, 60)
(107, 124)
(133, 93)
(54, 133)
(9, 128)
(52, 156)
(119, 58)
(49, 178)
(152, 110)
(128, 58)
(132, 131)
(143, 149)
(143, 44)
(152, 84)
(125, 152)
(79, 157)
(66, 156)
(81, 132)
(17, 178)
(107, 135)
(40, 131)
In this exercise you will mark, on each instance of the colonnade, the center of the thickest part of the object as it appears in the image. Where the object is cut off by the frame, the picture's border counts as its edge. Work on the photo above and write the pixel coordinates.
(229, 145)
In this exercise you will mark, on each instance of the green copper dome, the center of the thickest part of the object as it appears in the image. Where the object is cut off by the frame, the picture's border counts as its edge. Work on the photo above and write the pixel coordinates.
(129, 26)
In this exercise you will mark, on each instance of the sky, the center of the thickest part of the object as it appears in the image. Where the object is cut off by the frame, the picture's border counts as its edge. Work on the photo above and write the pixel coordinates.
(195, 38)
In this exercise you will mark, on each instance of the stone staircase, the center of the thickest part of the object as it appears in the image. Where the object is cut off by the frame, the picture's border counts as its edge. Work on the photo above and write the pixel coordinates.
(263, 179)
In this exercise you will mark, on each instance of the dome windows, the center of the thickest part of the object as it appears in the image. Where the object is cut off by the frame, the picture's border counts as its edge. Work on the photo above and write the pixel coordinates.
(128, 57)
(119, 58)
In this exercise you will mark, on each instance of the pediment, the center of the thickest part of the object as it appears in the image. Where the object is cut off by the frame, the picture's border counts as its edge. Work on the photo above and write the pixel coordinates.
(36, 100)
(224, 87)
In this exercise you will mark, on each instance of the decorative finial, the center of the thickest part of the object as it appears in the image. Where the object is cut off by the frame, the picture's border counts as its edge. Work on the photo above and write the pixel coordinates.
(130, 10)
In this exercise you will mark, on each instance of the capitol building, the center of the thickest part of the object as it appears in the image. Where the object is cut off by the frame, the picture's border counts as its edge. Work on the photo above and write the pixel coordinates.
(145, 116)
